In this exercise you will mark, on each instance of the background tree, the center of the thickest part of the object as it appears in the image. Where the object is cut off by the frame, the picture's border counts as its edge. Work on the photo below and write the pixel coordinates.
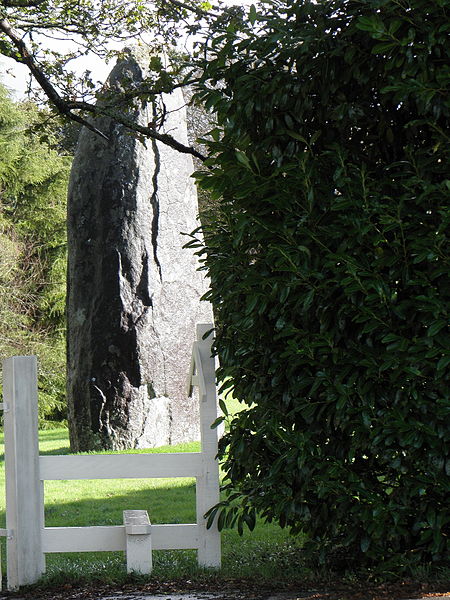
(30, 30)
(328, 257)
(33, 181)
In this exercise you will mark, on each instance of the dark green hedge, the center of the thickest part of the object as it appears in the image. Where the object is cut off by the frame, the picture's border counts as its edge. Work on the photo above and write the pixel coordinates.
(329, 263)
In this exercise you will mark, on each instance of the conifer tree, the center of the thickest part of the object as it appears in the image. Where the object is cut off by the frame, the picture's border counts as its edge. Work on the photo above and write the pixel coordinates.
(33, 180)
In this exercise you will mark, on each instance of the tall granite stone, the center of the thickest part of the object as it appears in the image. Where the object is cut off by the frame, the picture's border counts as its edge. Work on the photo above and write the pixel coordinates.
(133, 292)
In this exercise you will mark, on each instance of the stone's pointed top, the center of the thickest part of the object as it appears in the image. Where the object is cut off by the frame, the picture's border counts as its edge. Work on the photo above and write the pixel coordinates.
(128, 70)
(132, 66)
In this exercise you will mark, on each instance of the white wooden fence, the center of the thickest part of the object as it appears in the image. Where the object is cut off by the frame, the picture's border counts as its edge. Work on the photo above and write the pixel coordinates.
(28, 540)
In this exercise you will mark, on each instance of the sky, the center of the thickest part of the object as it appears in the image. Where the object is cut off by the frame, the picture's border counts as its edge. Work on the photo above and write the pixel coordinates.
(16, 77)
(13, 76)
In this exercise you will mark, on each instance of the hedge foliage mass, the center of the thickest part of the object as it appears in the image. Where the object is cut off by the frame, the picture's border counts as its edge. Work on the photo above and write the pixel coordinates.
(329, 263)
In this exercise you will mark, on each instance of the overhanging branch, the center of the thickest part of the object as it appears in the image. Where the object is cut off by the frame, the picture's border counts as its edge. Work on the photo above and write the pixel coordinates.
(67, 108)
(26, 58)
(165, 138)
(21, 3)
(198, 11)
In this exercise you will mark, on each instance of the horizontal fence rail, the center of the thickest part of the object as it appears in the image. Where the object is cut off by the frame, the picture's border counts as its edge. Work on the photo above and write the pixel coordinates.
(119, 466)
(113, 538)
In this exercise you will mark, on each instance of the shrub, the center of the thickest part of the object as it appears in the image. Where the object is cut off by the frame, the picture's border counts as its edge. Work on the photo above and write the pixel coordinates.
(328, 257)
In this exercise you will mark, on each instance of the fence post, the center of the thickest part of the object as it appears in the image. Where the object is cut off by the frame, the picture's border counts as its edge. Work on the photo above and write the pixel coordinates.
(24, 498)
(138, 533)
(209, 552)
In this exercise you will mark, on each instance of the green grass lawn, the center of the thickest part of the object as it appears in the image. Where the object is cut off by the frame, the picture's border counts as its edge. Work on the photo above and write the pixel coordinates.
(267, 553)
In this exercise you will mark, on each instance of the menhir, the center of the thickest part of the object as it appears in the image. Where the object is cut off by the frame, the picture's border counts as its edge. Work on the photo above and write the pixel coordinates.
(133, 292)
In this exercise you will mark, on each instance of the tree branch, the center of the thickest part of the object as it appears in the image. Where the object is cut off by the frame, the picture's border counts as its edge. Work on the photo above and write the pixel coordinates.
(21, 3)
(27, 59)
(194, 9)
(66, 108)
(148, 131)
(166, 139)
(143, 91)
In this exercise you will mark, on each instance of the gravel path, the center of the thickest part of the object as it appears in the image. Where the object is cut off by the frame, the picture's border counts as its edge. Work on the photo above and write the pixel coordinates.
(239, 596)
(245, 591)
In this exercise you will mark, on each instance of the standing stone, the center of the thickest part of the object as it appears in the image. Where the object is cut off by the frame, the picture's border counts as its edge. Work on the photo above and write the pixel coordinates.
(133, 292)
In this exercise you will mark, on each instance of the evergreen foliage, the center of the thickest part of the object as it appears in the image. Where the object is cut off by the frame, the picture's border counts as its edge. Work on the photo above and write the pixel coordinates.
(33, 182)
(328, 257)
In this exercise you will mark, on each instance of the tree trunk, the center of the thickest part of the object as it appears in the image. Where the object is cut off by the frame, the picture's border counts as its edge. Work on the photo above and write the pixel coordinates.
(133, 293)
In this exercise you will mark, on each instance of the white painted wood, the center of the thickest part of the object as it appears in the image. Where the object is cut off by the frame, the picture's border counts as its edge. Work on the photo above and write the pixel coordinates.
(120, 466)
(83, 539)
(113, 538)
(26, 561)
(191, 375)
(136, 522)
(139, 554)
(195, 377)
(199, 376)
(175, 537)
(138, 541)
(3, 532)
(209, 550)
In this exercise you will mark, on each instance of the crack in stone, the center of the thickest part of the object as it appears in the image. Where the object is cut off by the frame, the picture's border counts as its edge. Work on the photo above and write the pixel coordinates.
(170, 417)
(154, 200)
(142, 289)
